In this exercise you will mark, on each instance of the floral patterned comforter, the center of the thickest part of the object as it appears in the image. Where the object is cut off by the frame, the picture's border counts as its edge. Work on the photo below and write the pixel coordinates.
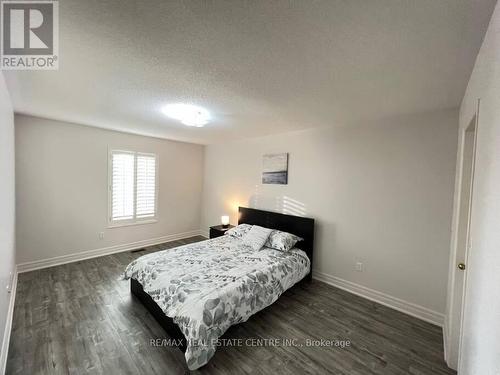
(208, 286)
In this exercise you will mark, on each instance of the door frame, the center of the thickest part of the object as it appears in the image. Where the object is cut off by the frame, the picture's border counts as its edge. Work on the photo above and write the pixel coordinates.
(469, 237)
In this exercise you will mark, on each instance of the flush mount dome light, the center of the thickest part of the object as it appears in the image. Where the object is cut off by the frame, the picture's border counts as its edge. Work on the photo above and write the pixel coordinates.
(188, 114)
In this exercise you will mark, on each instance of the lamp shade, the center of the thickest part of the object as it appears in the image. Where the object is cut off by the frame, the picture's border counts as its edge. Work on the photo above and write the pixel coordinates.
(224, 219)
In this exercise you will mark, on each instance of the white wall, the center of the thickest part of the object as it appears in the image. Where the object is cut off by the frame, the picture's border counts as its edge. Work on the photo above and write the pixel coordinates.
(7, 205)
(61, 186)
(480, 352)
(381, 194)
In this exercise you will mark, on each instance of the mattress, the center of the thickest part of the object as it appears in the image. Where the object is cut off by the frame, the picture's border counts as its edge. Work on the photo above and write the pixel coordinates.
(208, 286)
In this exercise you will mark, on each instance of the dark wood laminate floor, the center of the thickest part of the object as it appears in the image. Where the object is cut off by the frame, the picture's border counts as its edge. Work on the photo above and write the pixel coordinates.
(80, 318)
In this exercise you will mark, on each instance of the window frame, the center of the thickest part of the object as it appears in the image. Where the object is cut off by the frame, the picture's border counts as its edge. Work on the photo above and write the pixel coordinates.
(134, 221)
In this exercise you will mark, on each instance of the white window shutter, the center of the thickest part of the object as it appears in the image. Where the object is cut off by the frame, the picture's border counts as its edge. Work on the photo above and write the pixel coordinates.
(122, 186)
(146, 186)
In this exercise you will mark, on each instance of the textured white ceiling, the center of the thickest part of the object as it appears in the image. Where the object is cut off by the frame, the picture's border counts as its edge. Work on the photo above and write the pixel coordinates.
(259, 67)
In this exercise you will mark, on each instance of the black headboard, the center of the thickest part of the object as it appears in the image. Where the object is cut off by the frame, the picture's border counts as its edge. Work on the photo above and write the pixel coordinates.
(300, 226)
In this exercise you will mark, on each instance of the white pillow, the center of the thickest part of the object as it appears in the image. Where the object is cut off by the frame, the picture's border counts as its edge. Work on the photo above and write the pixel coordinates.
(256, 237)
(282, 241)
(239, 230)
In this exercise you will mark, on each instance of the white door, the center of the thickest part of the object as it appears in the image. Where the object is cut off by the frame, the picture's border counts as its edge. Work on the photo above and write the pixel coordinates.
(458, 270)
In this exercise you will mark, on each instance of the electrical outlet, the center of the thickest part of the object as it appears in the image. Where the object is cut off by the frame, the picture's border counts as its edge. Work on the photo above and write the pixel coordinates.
(101, 235)
(359, 267)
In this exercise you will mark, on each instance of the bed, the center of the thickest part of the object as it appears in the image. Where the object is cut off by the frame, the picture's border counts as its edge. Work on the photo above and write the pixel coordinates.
(197, 291)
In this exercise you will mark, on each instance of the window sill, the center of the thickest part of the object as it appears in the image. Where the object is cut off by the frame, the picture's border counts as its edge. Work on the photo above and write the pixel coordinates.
(128, 224)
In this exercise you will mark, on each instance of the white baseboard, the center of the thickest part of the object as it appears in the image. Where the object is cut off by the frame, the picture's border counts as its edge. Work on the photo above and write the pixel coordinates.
(8, 324)
(406, 307)
(82, 255)
(445, 341)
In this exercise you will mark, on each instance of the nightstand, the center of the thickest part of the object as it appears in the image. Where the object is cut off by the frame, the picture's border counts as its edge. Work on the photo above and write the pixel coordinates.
(219, 230)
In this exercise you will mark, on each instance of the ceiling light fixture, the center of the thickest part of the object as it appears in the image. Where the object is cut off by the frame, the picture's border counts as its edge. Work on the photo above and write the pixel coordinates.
(188, 114)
